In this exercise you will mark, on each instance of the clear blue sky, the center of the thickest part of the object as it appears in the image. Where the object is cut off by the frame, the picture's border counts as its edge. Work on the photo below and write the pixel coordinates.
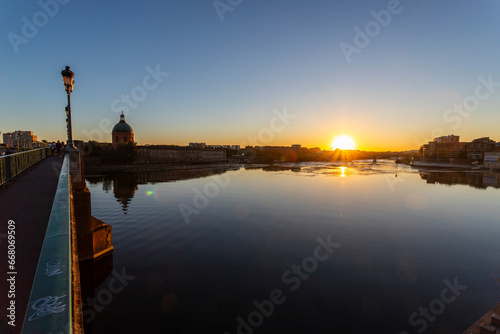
(227, 76)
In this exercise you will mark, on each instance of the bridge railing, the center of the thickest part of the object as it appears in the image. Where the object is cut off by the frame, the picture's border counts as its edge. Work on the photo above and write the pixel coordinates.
(50, 307)
(13, 164)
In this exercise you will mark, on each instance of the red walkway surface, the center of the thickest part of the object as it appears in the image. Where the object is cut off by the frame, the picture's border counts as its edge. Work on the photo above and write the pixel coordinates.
(26, 200)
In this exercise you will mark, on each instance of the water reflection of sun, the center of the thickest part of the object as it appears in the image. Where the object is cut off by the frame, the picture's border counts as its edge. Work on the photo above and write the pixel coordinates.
(342, 171)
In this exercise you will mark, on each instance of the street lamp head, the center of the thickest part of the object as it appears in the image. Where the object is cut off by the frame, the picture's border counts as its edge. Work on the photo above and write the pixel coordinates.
(68, 84)
(68, 75)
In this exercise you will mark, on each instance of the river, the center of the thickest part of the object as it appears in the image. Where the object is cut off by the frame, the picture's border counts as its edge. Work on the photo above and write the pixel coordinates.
(297, 248)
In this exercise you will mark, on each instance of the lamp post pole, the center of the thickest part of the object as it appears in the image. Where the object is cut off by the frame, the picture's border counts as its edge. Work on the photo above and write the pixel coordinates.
(68, 75)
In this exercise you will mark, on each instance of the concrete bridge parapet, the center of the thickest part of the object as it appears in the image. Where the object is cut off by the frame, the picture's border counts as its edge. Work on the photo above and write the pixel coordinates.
(94, 236)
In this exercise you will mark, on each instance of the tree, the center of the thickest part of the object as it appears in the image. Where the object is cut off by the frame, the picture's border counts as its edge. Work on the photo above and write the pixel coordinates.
(123, 154)
(127, 153)
(92, 149)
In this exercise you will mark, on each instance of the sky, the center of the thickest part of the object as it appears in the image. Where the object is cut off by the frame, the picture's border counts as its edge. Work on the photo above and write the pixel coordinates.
(390, 74)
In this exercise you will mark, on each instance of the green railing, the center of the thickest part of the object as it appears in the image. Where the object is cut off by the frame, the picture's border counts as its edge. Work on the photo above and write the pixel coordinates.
(13, 164)
(50, 308)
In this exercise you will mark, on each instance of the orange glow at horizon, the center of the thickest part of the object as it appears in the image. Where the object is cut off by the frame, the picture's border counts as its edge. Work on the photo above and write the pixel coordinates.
(343, 142)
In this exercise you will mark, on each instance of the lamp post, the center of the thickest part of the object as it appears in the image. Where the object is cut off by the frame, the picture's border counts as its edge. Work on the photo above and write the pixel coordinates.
(68, 75)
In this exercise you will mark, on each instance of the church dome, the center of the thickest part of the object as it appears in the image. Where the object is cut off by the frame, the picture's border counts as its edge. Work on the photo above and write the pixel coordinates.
(122, 126)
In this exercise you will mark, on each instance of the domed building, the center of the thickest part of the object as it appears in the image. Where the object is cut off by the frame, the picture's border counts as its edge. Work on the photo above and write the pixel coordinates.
(122, 132)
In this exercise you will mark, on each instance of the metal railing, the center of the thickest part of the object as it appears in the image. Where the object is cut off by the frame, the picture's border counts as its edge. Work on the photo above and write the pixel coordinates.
(50, 307)
(13, 164)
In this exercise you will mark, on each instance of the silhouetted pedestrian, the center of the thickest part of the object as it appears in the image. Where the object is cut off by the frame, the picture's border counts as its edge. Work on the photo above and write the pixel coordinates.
(53, 148)
(58, 148)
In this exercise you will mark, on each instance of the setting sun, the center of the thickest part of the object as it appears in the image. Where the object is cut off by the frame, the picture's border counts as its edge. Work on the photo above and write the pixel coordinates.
(343, 142)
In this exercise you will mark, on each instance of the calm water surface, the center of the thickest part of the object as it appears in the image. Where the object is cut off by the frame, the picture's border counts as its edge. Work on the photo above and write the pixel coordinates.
(208, 248)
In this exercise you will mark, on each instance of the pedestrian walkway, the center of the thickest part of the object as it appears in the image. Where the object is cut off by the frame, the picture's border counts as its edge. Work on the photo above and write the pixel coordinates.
(26, 200)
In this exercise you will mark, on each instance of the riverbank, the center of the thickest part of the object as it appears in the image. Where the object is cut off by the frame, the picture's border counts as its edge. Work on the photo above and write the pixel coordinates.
(95, 169)
(439, 165)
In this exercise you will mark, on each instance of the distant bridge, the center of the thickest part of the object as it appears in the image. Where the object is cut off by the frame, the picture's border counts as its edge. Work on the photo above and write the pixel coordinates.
(383, 155)
(349, 155)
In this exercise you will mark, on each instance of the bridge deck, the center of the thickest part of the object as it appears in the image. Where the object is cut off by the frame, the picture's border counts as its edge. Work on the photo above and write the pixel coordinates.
(27, 200)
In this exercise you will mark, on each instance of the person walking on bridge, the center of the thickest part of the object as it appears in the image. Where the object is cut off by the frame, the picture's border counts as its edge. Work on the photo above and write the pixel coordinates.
(53, 148)
(59, 148)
